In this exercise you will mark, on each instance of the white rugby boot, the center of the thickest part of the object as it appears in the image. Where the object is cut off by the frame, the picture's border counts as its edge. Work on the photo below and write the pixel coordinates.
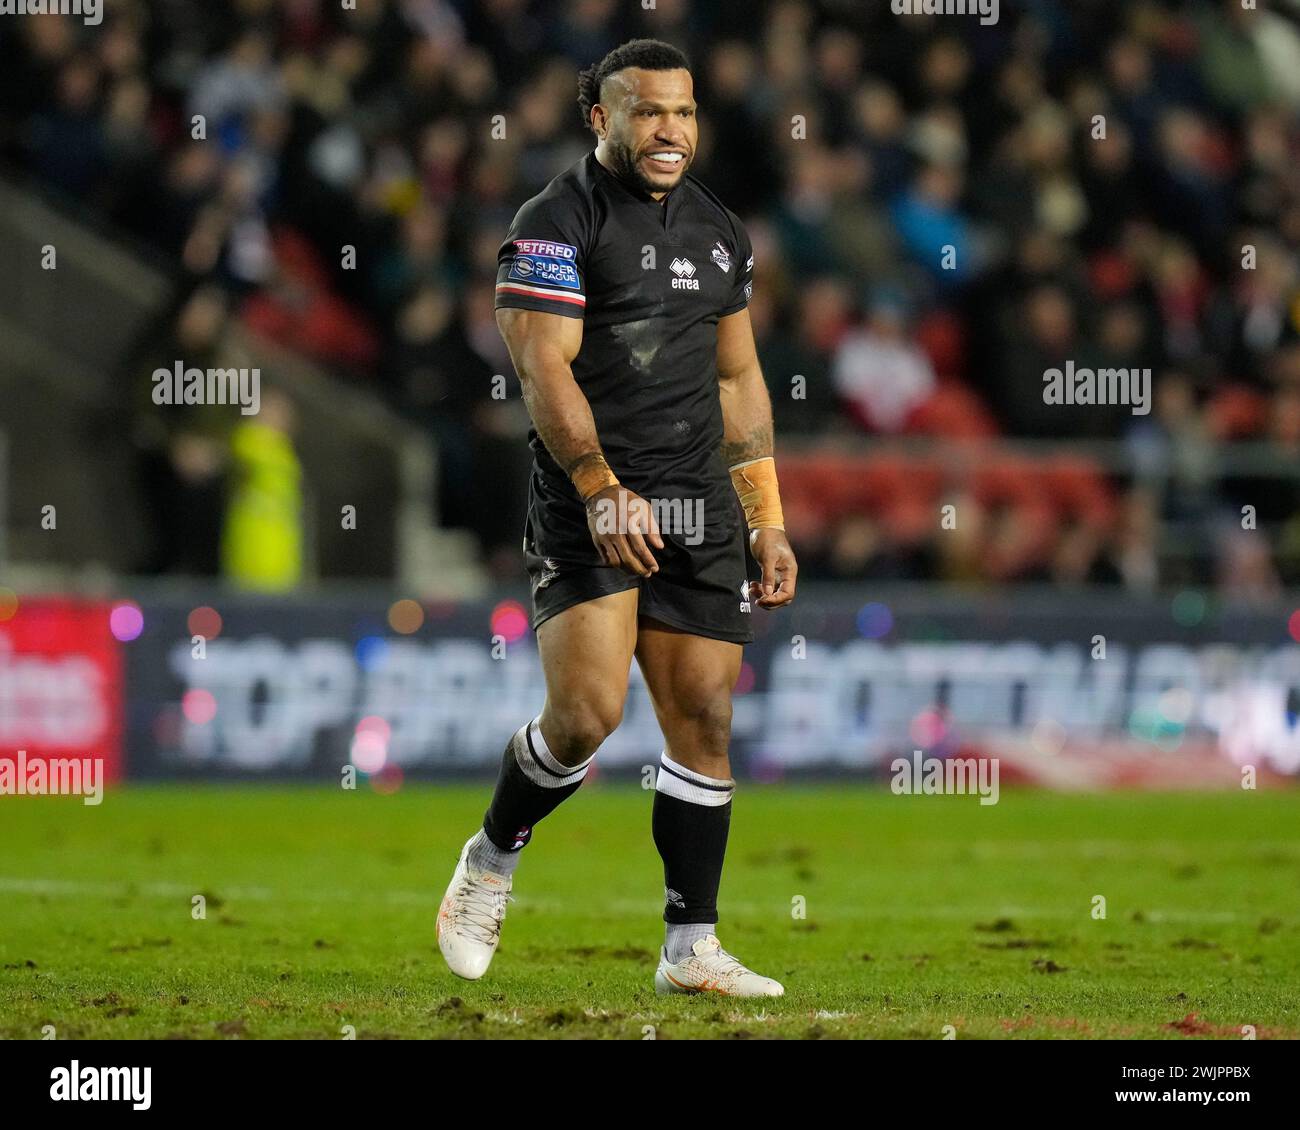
(470, 917)
(708, 968)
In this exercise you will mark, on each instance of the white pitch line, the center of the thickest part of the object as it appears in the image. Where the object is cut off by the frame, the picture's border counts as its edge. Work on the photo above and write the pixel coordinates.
(73, 888)
(64, 888)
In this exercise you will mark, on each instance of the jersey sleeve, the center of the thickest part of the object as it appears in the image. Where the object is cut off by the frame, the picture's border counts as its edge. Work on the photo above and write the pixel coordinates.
(744, 285)
(540, 265)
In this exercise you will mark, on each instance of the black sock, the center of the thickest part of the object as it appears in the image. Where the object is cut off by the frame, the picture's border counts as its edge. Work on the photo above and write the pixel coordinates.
(531, 784)
(692, 814)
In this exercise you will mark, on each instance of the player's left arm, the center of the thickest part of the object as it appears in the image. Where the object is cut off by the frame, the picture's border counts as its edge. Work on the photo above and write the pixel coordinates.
(748, 450)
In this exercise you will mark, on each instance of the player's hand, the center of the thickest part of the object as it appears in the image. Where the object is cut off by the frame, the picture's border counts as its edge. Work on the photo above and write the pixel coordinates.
(776, 559)
(621, 523)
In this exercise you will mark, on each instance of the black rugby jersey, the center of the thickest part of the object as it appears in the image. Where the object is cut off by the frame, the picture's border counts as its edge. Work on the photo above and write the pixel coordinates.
(650, 280)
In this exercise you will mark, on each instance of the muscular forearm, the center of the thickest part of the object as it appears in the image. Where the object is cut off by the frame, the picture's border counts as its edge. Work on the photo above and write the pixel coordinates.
(747, 446)
(746, 418)
(560, 413)
(542, 347)
(563, 419)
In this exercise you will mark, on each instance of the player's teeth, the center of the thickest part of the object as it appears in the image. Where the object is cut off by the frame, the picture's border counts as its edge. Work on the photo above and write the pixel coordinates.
(671, 157)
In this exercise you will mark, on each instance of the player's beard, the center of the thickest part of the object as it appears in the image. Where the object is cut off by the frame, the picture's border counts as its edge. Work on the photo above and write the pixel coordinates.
(628, 168)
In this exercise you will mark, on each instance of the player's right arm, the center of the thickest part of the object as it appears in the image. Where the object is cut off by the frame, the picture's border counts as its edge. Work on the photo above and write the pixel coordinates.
(542, 346)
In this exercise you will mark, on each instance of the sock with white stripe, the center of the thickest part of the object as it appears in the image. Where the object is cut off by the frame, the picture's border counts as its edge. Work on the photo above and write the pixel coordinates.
(530, 785)
(691, 818)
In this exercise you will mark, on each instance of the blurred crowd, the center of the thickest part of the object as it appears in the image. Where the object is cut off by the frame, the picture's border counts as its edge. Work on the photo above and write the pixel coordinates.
(941, 211)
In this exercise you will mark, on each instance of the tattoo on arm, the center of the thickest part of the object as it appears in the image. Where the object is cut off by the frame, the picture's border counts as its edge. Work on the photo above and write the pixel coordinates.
(756, 445)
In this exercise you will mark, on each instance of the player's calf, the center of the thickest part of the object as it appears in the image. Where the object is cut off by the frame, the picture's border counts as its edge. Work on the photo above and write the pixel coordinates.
(531, 784)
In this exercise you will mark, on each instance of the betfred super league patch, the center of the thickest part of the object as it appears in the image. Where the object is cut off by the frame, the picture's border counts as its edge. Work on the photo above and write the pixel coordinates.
(546, 247)
(545, 263)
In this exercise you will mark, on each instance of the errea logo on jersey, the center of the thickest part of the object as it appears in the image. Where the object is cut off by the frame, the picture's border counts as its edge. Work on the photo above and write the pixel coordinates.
(684, 269)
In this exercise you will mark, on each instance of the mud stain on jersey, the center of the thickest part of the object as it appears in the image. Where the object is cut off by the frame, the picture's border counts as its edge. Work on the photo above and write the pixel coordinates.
(642, 340)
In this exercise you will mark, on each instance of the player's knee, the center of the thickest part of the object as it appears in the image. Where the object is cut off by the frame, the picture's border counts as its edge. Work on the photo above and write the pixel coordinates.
(581, 728)
(706, 714)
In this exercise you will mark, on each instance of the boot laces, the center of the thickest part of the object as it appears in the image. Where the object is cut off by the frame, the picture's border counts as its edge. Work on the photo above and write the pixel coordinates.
(724, 963)
(728, 963)
(480, 910)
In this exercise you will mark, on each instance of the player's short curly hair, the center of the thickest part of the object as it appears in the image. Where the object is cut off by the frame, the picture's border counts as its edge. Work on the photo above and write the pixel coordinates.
(648, 54)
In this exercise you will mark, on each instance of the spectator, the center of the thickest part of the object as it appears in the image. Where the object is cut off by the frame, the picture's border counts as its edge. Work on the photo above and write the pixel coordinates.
(957, 167)
(880, 374)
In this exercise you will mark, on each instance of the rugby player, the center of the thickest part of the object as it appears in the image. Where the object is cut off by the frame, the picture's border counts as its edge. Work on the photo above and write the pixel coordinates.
(621, 293)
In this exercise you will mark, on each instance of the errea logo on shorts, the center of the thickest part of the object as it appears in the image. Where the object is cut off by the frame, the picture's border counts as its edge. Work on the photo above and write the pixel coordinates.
(552, 571)
(744, 596)
(684, 269)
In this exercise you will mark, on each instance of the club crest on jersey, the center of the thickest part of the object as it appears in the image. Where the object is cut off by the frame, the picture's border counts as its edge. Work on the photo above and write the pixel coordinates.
(547, 263)
(684, 269)
(722, 256)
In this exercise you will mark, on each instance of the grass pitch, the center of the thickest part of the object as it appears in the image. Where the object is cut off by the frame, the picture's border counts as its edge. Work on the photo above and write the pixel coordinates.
(917, 913)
